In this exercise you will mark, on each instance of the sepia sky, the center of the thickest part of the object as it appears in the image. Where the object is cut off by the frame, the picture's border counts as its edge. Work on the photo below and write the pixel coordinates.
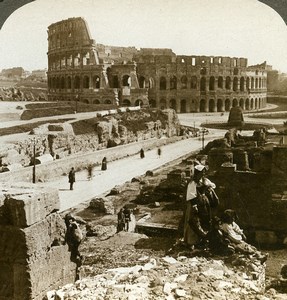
(237, 28)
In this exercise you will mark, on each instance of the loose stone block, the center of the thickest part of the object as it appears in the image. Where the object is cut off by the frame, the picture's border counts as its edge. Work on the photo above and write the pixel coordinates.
(26, 204)
(31, 261)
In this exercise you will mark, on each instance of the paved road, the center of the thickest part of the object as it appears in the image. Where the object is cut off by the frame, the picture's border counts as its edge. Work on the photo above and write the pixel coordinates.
(120, 171)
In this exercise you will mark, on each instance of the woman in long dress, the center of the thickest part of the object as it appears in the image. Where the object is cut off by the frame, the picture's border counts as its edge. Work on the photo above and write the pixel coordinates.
(197, 214)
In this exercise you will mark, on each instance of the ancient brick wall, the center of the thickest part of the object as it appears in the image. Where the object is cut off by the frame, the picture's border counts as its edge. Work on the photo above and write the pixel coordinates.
(33, 255)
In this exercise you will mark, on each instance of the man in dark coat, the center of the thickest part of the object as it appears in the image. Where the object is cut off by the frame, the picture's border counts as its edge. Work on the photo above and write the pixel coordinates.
(72, 178)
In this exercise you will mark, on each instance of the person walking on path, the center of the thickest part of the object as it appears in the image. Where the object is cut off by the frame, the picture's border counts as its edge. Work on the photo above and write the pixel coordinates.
(158, 152)
(104, 164)
(90, 172)
(142, 153)
(72, 178)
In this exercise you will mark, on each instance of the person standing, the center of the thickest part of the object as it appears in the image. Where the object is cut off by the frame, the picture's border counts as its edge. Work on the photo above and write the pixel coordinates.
(72, 178)
(127, 216)
(198, 209)
(158, 152)
(90, 172)
(104, 164)
(74, 237)
(142, 153)
(121, 220)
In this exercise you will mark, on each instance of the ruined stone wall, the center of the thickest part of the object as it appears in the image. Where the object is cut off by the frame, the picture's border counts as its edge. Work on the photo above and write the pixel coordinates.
(79, 161)
(33, 255)
(250, 194)
(201, 83)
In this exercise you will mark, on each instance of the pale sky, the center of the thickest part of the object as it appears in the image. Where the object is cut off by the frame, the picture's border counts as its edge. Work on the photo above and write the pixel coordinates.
(236, 28)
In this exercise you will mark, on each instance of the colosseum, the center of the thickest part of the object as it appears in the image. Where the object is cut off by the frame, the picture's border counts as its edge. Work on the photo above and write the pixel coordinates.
(79, 69)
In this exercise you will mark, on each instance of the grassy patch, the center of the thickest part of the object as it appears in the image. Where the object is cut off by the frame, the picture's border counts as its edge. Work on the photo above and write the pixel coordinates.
(46, 109)
(247, 126)
(27, 127)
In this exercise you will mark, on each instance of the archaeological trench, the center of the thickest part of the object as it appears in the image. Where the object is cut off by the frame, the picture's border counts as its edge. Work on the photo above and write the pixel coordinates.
(250, 176)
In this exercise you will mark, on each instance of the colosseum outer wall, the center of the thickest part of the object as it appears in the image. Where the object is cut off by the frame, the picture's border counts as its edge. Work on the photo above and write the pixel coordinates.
(81, 70)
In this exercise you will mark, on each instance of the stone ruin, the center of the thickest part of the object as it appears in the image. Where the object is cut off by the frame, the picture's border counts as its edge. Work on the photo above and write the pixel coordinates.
(251, 178)
(236, 117)
(60, 140)
(34, 257)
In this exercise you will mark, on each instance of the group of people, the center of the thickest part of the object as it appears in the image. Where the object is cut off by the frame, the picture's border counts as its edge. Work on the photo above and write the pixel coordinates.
(142, 153)
(104, 166)
(124, 219)
(90, 168)
(203, 230)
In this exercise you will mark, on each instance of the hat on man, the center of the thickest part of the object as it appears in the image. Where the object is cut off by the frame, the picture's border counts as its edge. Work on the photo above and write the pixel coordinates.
(199, 168)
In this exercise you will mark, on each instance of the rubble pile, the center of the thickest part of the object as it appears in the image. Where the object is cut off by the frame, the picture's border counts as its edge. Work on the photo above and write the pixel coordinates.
(170, 278)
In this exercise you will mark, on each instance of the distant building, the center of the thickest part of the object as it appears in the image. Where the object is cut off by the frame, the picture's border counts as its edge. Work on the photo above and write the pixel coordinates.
(78, 68)
(41, 74)
(13, 73)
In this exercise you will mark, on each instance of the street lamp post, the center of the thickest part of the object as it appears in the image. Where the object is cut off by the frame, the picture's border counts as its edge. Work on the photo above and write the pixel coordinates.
(203, 132)
(77, 98)
(34, 161)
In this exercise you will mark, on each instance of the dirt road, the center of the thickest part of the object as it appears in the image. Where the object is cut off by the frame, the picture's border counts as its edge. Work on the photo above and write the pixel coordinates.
(120, 171)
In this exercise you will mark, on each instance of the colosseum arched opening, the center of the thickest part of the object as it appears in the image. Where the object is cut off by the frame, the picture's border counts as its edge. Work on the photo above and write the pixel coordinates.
(193, 106)
(227, 105)
(252, 103)
(152, 103)
(142, 82)
(211, 105)
(162, 104)
(202, 105)
(162, 83)
(126, 102)
(138, 102)
(241, 103)
(202, 84)
(96, 82)
(183, 106)
(220, 105)
(234, 102)
(172, 104)
(247, 104)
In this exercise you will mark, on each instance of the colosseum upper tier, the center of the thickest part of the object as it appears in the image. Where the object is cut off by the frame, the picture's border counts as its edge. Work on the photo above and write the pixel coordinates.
(79, 69)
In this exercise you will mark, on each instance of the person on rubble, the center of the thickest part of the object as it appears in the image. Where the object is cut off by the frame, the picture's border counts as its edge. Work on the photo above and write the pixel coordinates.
(74, 237)
(127, 217)
(237, 237)
(218, 243)
(198, 208)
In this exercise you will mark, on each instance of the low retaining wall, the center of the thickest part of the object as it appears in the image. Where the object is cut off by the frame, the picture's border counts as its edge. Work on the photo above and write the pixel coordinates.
(62, 166)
